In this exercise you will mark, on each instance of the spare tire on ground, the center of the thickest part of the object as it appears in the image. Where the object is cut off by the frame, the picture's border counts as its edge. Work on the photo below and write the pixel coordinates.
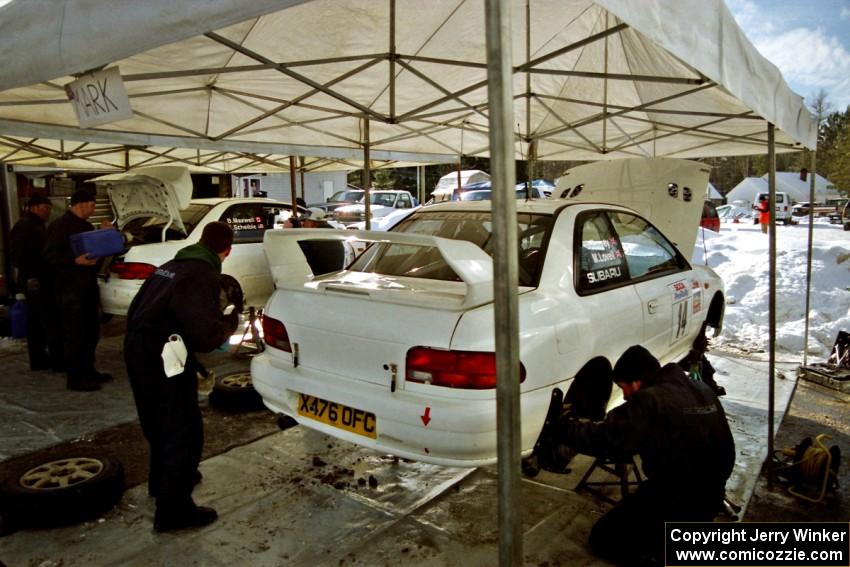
(235, 392)
(60, 491)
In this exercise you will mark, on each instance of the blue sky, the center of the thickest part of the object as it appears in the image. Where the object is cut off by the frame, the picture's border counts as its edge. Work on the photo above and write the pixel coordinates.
(809, 40)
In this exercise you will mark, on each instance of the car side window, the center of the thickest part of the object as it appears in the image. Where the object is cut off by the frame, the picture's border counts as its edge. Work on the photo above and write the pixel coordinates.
(404, 201)
(647, 251)
(599, 255)
(250, 221)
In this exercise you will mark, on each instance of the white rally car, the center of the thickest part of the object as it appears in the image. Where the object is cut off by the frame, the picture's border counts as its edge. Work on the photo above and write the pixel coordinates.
(154, 210)
(396, 352)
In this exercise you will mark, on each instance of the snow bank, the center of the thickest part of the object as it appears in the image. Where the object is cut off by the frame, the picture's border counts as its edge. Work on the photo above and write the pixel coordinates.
(739, 253)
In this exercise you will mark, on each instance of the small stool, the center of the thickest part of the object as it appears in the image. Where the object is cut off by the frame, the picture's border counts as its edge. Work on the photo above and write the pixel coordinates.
(620, 469)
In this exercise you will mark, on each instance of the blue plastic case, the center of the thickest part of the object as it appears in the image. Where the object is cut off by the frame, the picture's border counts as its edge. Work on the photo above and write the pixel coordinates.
(98, 243)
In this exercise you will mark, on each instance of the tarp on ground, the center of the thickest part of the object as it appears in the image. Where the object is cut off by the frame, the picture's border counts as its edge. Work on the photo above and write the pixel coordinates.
(600, 79)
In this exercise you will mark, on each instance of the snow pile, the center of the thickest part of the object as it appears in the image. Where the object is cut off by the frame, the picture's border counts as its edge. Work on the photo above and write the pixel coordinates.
(739, 254)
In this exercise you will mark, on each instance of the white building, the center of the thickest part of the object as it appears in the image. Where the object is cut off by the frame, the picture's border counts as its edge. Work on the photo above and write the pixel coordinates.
(318, 186)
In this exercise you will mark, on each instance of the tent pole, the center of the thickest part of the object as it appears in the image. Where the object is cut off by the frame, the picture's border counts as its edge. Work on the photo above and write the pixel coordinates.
(301, 160)
(771, 182)
(367, 174)
(506, 313)
(392, 60)
(605, 95)
(528, 75)
(292, 185)
(809, 256)
(420, 183)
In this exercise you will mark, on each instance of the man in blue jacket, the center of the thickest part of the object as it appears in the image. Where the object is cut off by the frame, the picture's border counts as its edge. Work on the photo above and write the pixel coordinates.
(687, 453)
(182, 297)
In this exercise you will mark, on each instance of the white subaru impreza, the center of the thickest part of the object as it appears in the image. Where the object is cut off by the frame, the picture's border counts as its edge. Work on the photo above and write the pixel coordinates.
(396, 352)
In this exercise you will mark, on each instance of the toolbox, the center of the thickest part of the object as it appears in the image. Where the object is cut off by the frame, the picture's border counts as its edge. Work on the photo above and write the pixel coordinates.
(98, 243)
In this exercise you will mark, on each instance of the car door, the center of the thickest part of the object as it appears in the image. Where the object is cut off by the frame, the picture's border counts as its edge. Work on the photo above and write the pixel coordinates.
(247, 261)
(660, 277)
(602, 282)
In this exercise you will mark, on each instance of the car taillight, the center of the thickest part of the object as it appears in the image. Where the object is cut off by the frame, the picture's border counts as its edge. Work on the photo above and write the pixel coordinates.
(468, 370)
(132, 270)
(275, 335)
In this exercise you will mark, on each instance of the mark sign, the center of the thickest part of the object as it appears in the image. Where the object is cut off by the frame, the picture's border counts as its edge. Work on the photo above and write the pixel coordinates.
(99, 98)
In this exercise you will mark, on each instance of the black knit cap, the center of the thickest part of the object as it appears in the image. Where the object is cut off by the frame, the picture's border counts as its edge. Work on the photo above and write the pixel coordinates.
(38, 199)
(82, 196)
(637, 363)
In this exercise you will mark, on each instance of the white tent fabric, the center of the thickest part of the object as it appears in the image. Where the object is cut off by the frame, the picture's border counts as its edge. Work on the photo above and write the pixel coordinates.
(799, 189)
(746, 190)
(602, 79)
(84, 156)
(711, 192)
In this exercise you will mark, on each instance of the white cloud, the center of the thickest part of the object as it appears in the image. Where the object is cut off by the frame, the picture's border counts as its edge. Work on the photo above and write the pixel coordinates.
(812, 60)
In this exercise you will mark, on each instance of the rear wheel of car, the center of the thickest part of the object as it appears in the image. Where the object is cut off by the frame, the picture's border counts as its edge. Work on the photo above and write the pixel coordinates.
(231, 293)
(235, 392)
(61, 491)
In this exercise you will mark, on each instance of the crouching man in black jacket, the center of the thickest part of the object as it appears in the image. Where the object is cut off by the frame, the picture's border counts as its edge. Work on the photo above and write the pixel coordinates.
(182, 297)
(687, 453)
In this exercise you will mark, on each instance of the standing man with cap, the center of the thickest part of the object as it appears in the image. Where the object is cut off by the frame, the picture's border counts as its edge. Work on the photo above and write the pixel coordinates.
(76, 291)
(182, 297)
(687, 453)
(26, 241)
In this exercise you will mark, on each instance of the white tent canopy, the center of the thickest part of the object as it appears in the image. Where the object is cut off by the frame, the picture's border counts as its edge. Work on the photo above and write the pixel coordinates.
(711, 192)
(590, 79)
(79, 155)
(600, 79)
(793, 183)
(747, 189)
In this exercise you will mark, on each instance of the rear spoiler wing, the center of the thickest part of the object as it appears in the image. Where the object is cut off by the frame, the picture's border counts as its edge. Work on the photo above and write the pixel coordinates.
(290, 269)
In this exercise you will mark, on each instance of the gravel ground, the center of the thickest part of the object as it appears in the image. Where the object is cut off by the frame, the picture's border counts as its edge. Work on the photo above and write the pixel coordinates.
(815, 409)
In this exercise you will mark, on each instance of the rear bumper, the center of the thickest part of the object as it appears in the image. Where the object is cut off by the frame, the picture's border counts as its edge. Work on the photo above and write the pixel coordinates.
(461, 432)
(117, 294)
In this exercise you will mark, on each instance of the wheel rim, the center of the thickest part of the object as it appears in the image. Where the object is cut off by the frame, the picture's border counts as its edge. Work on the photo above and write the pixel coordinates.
(239, 380)
(61, 473)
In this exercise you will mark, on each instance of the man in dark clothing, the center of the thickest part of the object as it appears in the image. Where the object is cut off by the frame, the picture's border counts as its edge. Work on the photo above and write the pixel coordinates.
(687, 453)
(26, 242)
(182, 297)
(74, 281)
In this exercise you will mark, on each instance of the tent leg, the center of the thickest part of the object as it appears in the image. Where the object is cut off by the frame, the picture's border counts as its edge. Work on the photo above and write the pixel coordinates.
(771, 394)
(809, 256)
(293, 186)
(367, 175)
(506, 312)
(301, 160)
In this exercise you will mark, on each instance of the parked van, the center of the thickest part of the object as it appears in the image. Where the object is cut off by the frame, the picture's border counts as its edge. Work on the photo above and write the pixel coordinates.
(783, 206)
(447, 187)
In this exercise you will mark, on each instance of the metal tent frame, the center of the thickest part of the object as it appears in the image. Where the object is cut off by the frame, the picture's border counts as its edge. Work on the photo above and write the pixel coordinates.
(276, 78)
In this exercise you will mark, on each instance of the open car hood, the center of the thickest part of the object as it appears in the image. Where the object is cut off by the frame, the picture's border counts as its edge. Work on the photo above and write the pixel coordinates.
(667, 191)
(160, 192)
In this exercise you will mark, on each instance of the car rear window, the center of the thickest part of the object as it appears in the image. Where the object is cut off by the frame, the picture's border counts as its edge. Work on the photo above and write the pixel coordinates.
(426, 262)
(146, 230)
